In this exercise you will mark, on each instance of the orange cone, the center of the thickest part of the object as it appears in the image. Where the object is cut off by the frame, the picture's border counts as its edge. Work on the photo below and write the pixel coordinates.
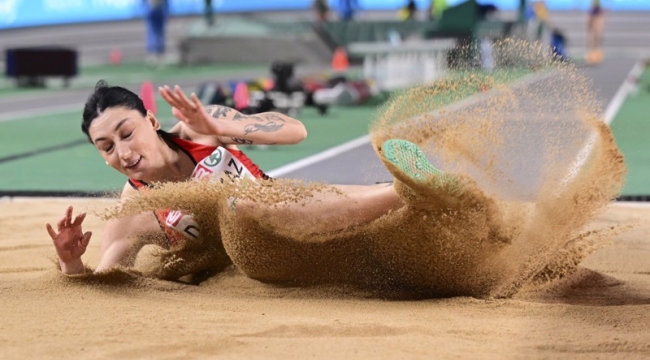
(340, 60)
(148, 96)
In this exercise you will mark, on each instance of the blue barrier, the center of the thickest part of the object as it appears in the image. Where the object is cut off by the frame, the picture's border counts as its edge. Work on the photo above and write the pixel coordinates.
(24, 13)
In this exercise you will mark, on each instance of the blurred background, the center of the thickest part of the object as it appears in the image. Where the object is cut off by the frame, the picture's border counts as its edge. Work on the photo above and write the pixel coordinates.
(328, 62)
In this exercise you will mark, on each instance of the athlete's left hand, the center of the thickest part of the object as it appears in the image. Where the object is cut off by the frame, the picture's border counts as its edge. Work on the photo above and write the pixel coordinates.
(190, 110)
(69, 240)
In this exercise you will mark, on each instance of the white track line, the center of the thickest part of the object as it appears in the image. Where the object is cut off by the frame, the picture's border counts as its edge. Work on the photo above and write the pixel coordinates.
(625, 88)
(610, 112)
(324, 155)
(363, 140)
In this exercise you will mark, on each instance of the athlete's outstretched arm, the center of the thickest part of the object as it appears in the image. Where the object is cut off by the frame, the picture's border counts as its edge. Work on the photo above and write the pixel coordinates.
(119, 241)
(231, 126)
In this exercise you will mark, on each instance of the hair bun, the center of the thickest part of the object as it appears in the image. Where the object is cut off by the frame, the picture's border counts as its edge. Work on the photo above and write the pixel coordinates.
(101, 84)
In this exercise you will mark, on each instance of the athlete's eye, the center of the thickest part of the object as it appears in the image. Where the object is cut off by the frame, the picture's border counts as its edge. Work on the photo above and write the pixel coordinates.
(126, 136)
(108, 148)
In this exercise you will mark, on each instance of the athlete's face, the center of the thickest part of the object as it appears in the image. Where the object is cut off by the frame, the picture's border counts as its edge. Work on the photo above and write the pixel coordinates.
(128, 141)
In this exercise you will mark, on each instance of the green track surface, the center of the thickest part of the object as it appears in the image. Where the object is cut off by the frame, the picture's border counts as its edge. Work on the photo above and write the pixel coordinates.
(631, 128)
(78, 167)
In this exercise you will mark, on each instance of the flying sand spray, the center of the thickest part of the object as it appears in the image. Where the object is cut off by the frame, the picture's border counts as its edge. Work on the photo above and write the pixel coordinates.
(512, 150)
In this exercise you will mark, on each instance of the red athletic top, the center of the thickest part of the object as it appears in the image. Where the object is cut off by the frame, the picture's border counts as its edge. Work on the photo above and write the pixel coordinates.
(196, 152)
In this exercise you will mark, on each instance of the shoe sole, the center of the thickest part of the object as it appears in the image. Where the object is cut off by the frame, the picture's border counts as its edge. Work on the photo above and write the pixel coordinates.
(408, 157)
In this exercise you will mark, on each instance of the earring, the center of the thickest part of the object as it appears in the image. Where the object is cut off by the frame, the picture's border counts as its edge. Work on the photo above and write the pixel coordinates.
(106, 162)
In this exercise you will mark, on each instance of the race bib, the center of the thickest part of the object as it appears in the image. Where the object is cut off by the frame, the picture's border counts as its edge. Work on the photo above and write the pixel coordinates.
(183, 223)
(221, 165)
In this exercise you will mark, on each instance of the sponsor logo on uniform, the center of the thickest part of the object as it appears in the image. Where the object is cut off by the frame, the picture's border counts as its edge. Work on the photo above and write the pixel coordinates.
(201, 171)
(174, 218)
(214, 159)
(182, 224)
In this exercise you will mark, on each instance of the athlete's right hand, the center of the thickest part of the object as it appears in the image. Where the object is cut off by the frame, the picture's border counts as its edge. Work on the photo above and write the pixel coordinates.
(70, 241)
(190, 111)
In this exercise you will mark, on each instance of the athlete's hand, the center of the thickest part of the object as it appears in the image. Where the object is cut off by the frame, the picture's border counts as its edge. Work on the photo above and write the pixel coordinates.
(189, 110)
(69, 240)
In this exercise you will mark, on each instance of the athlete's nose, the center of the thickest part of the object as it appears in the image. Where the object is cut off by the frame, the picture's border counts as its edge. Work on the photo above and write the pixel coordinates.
(124, 152)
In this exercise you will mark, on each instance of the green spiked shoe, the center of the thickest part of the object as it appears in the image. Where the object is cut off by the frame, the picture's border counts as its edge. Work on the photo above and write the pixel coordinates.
(417, 181)
(410, 160)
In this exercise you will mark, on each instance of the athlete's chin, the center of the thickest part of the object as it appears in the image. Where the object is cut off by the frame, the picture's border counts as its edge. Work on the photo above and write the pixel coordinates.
(138, 171)
(140, 175)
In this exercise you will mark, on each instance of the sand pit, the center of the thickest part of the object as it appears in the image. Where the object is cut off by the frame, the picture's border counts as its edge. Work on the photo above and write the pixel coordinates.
(600, 312)
(516, 252)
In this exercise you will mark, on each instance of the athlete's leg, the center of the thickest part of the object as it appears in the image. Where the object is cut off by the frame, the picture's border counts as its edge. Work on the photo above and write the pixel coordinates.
(369, 202)
(418, 182)
(344, 206)
(337, 208)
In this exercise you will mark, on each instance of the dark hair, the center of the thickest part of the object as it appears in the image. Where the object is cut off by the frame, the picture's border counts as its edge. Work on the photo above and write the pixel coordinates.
(105, 97)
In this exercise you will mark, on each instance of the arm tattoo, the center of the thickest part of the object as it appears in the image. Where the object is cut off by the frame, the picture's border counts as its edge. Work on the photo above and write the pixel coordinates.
(272, 117)
(270, 126)
(218, 111)
(239, 117)
(242, 141)
(259, 117)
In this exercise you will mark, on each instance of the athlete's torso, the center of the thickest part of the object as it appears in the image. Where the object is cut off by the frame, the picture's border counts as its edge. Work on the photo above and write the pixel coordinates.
(209, 161)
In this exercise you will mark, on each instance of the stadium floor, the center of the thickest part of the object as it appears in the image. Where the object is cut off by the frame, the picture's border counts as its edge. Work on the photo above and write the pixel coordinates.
(48, 155)
(631, 128)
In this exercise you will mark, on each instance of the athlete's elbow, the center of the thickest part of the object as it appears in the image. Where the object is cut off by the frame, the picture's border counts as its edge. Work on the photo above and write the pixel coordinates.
(299, 134)
(302, 133)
